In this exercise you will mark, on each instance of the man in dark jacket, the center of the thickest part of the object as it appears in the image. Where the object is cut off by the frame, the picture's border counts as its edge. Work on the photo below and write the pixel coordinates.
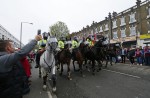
(11, 70)
(131, 55)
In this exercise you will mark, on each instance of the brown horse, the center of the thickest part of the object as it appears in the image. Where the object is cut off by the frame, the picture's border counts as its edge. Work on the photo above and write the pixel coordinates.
(77, 56)
(64, 57)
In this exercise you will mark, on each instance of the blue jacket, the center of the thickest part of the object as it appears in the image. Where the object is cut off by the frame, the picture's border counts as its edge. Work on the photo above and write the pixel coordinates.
(12, 75)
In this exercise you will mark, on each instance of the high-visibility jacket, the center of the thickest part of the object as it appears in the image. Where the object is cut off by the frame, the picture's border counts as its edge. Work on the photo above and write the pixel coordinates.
(90, 42)
(42, 43)
(74, 44)
(61, 44)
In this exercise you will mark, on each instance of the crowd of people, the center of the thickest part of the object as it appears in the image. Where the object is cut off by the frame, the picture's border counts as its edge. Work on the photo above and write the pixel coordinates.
(138, 54)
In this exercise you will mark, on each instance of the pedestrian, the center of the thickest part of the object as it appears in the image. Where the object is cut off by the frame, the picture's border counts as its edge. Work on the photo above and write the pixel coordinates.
(146, 55)
(131, 54)
(11, 70)
(138, 55)
(123, 53)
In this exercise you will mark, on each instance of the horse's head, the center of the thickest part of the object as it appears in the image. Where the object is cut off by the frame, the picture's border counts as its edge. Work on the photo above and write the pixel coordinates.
(51, 44)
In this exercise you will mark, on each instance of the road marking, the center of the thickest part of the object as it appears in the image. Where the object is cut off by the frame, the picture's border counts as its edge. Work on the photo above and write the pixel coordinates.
(49, 94)
(122, 73)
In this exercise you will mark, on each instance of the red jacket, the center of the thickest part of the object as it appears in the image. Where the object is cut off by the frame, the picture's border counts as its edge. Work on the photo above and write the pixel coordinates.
(26, 66)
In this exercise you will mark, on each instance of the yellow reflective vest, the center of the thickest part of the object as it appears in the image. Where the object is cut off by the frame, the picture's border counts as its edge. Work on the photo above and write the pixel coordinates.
(61, 44)
(42, 43)
(74, 44)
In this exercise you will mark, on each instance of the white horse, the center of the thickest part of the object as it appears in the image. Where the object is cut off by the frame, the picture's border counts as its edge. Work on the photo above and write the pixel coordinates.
(47, 62)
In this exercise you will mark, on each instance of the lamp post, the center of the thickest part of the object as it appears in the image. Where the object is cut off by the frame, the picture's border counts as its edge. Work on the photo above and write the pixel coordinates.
(110, 28)
(21, 32)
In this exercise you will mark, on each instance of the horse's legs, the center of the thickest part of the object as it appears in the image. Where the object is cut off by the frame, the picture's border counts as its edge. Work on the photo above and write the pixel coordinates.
(61, 68)
(44, 82)
(39, 71)
(111, 60)
(54, 77)
(99, 65)
(69, 72)
(93, 67)
(107, 59)
(73, 65)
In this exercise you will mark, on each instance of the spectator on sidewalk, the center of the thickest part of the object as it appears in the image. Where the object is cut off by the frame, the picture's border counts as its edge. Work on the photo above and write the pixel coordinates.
(123, 53)
(146, 55)
(131, 54)
(11, 70)
(138, 55)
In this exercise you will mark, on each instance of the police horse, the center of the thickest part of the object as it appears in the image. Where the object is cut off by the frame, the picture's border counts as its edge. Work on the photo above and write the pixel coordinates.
(47, 62)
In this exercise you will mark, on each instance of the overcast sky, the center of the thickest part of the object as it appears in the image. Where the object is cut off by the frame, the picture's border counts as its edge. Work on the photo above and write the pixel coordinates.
(44, 13)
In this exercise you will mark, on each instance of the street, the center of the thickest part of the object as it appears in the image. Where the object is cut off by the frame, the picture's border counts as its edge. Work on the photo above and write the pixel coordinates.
(117, 81)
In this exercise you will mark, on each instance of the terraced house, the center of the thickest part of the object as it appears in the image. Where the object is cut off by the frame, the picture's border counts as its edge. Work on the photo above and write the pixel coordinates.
(129, 27)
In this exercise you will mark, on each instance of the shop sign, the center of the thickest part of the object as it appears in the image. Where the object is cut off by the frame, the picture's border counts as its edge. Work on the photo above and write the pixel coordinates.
(145, 36)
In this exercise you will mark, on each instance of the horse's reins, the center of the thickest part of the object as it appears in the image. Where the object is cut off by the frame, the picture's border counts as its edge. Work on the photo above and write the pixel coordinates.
(50, 67)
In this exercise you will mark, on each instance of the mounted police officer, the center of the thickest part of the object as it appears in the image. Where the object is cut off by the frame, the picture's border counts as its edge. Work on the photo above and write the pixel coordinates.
(12, 75)
(41, 49)
(90, 42)
(61, 43)
(74, 42)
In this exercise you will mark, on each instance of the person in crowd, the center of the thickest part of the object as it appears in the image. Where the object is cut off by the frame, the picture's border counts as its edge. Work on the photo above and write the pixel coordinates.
(123, 53)
(138, 55)
(11, 70)
(131, 54)
(142, 54)
(41, 44)
(147, 55)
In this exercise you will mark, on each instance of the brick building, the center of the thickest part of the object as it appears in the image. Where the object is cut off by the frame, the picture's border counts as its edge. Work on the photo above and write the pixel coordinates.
(129, 27)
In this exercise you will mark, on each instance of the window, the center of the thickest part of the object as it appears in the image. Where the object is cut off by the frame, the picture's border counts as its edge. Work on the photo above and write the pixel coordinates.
(106, 27)
(148, 16)
(107, 36)
(132, 18)
(101, 29)
(132, 31)
(115, 35)
(96, 31)
(122, 21)
(2, 37)
(114, 24)
(123, 33)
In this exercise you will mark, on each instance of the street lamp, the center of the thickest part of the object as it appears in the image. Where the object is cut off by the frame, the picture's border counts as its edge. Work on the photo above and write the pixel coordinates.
(21, 32)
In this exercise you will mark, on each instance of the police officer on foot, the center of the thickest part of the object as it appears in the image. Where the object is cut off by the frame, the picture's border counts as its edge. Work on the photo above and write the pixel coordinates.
(11, 70)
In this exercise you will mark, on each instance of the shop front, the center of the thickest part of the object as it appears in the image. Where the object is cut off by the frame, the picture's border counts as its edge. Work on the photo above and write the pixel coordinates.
(145, 38)
(129, 41)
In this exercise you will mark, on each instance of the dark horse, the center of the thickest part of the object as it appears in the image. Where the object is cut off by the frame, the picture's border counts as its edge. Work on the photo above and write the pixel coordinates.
(64, 57)
(77, 56)
(94, 54)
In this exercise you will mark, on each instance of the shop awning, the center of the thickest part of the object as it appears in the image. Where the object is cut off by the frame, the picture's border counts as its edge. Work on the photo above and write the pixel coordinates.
(129, 43)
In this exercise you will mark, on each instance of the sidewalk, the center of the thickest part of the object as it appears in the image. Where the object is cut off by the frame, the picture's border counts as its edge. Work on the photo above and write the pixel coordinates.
(36, 90)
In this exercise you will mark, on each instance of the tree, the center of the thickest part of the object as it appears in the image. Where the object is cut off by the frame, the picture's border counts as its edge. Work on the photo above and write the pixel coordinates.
(59, 29)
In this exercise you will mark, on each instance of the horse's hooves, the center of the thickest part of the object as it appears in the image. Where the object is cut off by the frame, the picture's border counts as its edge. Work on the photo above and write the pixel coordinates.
(44, 87)
(54, 89)
(69, 78)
